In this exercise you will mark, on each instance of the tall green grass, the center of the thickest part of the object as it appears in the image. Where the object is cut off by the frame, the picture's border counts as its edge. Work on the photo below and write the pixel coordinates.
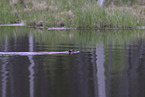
(73, 13)
(7, 15)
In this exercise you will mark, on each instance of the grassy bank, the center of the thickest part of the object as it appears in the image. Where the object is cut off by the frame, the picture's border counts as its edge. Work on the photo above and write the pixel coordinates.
(72, 13)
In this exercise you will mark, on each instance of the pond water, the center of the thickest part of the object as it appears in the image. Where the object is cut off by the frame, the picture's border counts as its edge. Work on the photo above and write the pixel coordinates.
(111, 63)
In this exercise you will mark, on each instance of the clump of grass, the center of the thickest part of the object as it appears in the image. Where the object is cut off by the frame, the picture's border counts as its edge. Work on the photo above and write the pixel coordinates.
(120, 17)
(6, 14)
(111, 17)
(88, 16)
(124, 16)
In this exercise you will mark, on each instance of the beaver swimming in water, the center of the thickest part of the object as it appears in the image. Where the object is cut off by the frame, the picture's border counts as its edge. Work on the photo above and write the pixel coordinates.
(73, 51)
(38, 53)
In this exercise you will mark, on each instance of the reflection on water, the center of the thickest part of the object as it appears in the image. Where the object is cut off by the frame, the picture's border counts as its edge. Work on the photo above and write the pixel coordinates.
(31, 67)
(110, 64)
(100, 70)
(4, 71)
(4, 77)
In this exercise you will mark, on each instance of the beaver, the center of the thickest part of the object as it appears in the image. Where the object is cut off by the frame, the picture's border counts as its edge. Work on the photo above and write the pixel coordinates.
(38, 53)
(73, 51)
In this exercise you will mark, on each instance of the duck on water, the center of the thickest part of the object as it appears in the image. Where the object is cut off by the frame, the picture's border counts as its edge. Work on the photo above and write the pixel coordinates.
(39, 53)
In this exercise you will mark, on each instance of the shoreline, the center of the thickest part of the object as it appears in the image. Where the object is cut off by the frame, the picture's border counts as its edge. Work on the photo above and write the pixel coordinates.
(65, 28)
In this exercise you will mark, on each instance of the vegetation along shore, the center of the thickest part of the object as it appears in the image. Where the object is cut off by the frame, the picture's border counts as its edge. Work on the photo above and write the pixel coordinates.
(72, 13)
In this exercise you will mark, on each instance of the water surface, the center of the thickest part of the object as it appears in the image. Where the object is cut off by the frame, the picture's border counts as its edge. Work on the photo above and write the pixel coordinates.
(110, 63)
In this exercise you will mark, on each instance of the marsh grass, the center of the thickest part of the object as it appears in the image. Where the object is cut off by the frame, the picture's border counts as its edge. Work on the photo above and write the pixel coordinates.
(72, 13)
(6, 14)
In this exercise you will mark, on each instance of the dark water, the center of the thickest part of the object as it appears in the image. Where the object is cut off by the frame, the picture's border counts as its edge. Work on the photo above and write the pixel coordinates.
(110, 63)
